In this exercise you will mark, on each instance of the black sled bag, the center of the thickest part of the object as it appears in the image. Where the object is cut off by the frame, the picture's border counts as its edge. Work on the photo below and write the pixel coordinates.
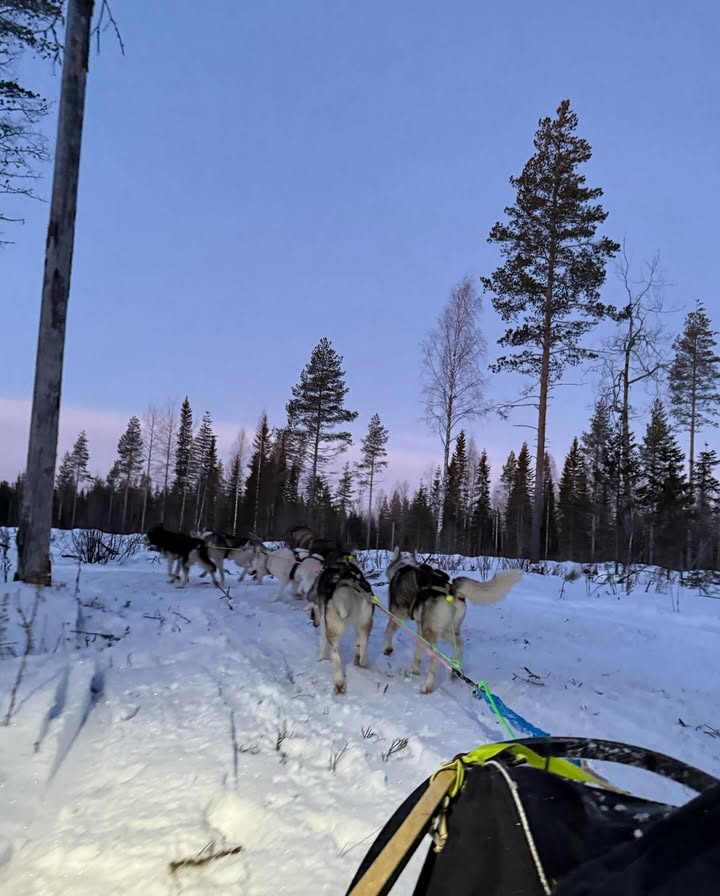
(515, 825)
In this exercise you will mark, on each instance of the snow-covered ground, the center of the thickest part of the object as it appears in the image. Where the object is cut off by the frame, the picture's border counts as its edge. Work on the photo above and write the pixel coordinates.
(195, 727)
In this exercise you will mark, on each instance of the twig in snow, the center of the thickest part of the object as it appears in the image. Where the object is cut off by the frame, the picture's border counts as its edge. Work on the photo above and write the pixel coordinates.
(337, 755)
(368, 732)
(201, 859)
(397, 746)
(181, 616)
(233, 737)
(539, 684)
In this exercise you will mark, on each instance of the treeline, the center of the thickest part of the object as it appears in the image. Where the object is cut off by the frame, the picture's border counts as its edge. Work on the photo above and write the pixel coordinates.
(166, 472)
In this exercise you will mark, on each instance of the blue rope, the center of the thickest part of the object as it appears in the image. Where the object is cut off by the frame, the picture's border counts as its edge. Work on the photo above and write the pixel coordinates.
(515, 720)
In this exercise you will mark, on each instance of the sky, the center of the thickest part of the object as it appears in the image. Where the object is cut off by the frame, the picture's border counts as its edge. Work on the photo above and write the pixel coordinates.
(268, 173)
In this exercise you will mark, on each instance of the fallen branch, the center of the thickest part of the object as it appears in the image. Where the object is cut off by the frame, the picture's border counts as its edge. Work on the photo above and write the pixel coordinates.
(200, 859)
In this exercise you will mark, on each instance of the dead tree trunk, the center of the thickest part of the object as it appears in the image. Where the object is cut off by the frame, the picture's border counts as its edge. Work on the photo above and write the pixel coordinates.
(33, 538)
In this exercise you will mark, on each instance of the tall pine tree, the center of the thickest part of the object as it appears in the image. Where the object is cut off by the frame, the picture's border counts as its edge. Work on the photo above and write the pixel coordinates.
(550, 537)
(318, 406)
(373, 454)
(129, 461)
(695, 378)
(549, 285)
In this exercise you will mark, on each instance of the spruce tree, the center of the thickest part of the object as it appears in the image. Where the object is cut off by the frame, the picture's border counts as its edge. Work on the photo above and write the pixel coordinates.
(318, 406)
(80, 459)
(200, 464)
(663, 491)
(695, 378)
(129, 461)
(574, 506)
(344, 499)
(64, 487)
(421, 522)
(455, 497)
(549, 285)
(706, 505)
(518, 514)
(596, 451)
(373, 454)
(258, 483)
(183, 453)
(482, 515)
(550, 537)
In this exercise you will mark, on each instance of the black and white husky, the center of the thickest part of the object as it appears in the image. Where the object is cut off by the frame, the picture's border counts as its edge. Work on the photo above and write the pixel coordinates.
(341, 596)
(181, 551)
(436, 604)
(238, 548)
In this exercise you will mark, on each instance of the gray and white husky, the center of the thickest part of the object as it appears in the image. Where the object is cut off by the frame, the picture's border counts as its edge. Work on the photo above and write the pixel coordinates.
(419, 592)
(297, 566)
(341, 596)
(238, 548)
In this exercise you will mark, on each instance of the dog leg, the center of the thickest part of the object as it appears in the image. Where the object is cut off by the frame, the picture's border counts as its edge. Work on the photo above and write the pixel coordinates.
(324, 645)
(429, 686)
(390, 630)
(335, 628)
(459, 649)
(278, 595)
(361, 643)
(186, 575)
(417, 659)
(171, 564)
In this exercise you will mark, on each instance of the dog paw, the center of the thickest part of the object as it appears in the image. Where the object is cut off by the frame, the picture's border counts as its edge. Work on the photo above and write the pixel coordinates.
(426, 689)
(387, 651)
(413, 671)
(340, 687)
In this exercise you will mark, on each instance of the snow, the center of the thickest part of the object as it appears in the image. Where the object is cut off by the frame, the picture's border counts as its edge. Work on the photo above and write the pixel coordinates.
(196, 728)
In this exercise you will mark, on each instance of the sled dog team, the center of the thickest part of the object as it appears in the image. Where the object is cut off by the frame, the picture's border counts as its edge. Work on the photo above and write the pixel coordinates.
(328, 576)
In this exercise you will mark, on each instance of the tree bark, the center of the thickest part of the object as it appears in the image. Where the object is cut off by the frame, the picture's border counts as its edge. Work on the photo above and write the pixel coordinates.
(538, 499)
(372, 473)
(33, 539)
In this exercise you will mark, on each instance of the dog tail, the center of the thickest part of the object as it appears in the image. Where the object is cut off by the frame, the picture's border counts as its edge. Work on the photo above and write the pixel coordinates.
(490, 592)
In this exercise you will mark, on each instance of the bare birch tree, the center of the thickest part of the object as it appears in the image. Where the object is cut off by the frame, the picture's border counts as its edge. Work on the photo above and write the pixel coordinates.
(237, 461)
(166, 438)
(33, 539)
(452, 353)
(150, 422)
(636, 354)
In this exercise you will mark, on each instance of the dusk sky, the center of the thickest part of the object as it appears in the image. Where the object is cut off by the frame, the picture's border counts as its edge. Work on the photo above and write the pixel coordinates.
(258, 175)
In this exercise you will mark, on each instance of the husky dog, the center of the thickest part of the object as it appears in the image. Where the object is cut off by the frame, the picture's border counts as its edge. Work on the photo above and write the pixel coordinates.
(299, 537)
(304, 537)
(181, 551)
(298, 566)
(239, 549)
(426, 595)
(341, 597)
